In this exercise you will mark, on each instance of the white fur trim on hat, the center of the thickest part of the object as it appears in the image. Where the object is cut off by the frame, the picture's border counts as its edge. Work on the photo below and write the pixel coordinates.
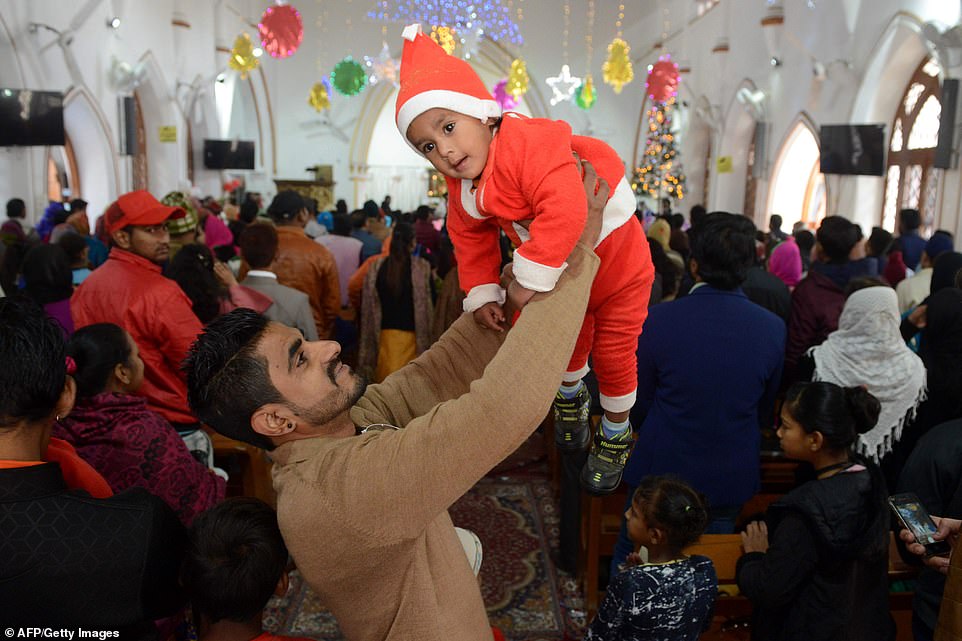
(445, 99)
(483, 294)
(411, 32)
(532, 275)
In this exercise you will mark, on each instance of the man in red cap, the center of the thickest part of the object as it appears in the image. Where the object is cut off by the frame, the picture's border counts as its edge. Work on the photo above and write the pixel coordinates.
(129, 290)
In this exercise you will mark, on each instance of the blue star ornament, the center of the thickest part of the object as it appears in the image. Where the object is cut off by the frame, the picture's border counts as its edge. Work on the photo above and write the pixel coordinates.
(563, 85)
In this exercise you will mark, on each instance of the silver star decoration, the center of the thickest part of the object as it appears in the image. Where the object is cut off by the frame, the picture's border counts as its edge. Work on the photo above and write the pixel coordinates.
(563, 85)
(384, 67)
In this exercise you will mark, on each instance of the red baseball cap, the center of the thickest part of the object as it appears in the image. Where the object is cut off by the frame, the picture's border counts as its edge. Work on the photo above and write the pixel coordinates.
(138, 208)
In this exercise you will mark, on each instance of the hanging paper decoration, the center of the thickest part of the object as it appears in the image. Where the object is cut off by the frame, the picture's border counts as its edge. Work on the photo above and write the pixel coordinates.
(662, 82)
(502, 97)
(586, 95)
(349, 77)
(445, 38)
(319, 98)
(384, 67)
(281, 30)
(563, 85)
(518, 78)
(617, 70)
(242, 56)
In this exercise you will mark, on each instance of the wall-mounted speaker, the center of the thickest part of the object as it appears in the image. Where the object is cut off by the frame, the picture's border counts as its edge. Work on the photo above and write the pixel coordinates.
(127, 109)
(946, 154)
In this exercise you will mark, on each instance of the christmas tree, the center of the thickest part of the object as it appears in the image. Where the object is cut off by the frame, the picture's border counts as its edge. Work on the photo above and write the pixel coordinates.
(660, 173)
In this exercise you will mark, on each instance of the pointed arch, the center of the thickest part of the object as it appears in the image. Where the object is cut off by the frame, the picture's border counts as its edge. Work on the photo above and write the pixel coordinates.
(93, 145)
(165, 161)
(728, 192)
(797, 189)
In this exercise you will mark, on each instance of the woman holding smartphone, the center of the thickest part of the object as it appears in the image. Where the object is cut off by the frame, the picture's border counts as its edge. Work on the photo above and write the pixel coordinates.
(816, 568)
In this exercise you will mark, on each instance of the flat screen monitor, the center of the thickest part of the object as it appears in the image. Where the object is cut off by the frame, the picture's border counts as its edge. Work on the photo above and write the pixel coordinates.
(852, 150)
(229, 154)
(31, 118)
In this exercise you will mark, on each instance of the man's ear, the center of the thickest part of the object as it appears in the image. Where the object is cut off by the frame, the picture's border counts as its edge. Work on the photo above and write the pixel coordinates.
(693, 267)
(67, 397)
(273, 420)
(121, 238)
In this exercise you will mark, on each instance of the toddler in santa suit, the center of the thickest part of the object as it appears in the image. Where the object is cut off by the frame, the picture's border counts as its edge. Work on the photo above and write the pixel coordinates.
(517, 174)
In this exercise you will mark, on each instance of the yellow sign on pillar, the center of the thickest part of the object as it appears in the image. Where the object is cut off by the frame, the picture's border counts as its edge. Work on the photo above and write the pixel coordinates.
(724, 164)
(167, 133)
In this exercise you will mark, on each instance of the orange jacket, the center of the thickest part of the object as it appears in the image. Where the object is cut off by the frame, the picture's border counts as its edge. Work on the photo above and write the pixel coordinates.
(130, 291)
(309, 267)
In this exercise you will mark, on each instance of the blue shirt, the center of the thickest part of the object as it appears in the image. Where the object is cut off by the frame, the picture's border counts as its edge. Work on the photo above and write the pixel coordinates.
(659, 602)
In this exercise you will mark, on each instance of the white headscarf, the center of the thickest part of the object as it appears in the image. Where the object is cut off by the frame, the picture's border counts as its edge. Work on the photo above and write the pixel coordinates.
(867, 349)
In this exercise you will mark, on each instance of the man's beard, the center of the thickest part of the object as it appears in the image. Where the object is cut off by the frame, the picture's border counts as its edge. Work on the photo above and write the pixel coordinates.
(335, 403)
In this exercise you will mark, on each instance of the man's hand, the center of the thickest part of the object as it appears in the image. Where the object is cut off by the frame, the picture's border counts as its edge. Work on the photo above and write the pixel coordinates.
(948, 531)
(919, 315)
(518, 295)
(755, 537)
(490, 316)
(224, 274)
(596, 190)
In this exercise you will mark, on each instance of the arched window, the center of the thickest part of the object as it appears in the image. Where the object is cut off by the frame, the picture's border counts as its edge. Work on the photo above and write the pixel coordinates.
(62, 172)
(798, 187)
(911, 181)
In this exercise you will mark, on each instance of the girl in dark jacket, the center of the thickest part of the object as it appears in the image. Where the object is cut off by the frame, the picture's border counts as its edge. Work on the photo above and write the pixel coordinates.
(816, 569)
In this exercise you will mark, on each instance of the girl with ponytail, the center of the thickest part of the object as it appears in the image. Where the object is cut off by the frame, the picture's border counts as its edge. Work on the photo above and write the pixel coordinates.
(816, 568)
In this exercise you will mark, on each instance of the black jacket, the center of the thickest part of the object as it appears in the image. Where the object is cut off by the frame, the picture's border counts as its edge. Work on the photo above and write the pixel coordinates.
(70, 560)
(824, 577)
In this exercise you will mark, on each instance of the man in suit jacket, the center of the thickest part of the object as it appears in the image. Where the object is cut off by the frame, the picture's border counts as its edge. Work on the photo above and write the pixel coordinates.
(709, 366)
(258, 245)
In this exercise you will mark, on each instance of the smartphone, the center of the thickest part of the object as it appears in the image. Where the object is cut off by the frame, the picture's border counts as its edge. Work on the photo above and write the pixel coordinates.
(916, 520)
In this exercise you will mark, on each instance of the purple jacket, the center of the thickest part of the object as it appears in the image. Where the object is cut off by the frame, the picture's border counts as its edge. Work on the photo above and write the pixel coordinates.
(132, 446)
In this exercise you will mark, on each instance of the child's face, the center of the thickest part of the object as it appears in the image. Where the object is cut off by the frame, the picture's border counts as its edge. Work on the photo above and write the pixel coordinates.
(795, 442)
(638, 530)
(456, 144)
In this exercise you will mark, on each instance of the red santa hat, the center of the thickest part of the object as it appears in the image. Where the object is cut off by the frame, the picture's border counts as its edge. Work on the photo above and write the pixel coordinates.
(431, 78)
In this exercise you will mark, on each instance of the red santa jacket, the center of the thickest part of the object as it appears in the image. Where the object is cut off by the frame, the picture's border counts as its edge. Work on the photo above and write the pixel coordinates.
(530, 177)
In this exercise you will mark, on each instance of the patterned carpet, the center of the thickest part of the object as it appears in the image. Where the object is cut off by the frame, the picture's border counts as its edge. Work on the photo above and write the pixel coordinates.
(516, 519)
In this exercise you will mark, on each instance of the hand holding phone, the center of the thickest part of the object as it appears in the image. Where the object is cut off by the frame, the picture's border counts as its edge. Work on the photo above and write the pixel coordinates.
(916, 520)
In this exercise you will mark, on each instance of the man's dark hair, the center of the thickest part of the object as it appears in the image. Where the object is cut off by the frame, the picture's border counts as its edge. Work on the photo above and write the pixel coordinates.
(73, 245)
(909, 219)
(16, 208)
(77, 204)
(879, 242)
(33, 354)
(341, 206)
(248, 211)
(258, 245)
(47, 276)
(342, 225)
(371, 209)
(805, 241)
(697, 215)
(863, 282)
(423, 212)
(723, 245)
(677, 221)
(775, 222)
(285, 206)
(227, 381)
(837, 236)
(234, 560)
(358, 218)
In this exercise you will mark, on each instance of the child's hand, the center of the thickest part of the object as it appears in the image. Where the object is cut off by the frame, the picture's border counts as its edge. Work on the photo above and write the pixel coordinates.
(755, 537)
(633, 559)
(490, 316)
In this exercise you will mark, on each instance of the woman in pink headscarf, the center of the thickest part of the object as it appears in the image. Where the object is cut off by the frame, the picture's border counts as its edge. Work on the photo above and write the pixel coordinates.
(786, 262)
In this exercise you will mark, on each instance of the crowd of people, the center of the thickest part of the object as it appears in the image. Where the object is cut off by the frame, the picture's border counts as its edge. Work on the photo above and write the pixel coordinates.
(123, 348)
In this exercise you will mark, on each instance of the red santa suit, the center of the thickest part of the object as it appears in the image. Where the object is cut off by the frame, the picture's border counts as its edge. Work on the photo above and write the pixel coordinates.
(531, 188)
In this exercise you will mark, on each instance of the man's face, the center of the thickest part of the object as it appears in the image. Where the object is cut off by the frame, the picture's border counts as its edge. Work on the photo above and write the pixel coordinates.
(309, 375)
(151, 241)
(456, 144)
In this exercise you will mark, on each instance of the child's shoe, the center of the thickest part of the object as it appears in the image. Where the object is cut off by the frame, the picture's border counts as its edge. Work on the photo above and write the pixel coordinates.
(571, 420)
(606, 461)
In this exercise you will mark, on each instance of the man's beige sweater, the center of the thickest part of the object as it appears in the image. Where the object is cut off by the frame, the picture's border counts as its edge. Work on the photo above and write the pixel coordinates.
(365, 517)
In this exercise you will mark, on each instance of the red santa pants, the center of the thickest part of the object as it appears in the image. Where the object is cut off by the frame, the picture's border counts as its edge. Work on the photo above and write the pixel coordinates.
(617, 309)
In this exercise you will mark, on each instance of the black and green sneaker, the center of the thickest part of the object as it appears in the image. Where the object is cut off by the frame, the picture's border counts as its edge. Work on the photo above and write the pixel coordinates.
(606, 461)
(571, 420)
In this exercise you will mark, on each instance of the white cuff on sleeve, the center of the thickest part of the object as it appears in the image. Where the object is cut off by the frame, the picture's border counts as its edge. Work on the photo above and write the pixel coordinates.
(483, 294)
(535, 276)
